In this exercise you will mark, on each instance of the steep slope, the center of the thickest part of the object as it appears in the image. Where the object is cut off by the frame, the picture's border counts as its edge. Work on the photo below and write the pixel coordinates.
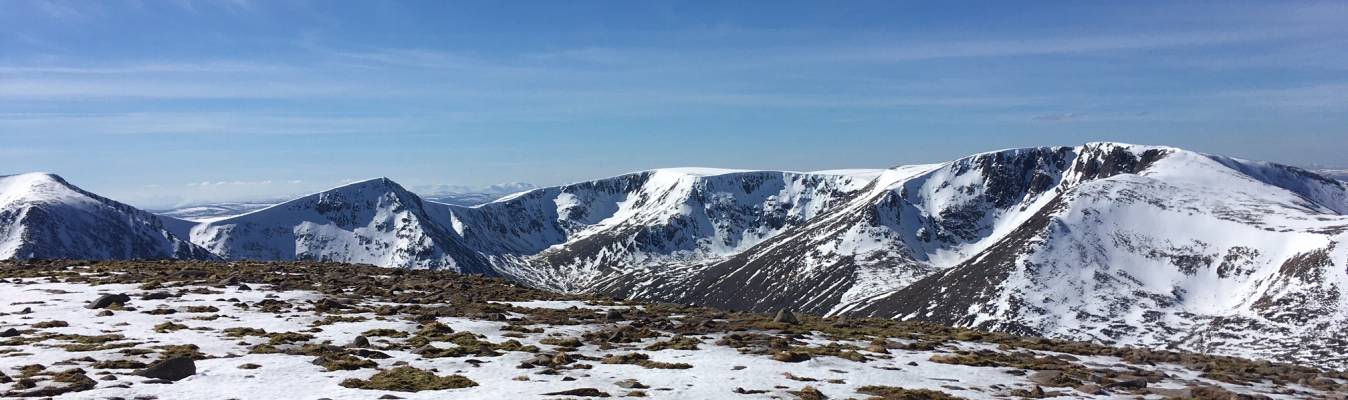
(371, 222)
(912, 221)
(42, 216)
(570, 237)
(1176, 249)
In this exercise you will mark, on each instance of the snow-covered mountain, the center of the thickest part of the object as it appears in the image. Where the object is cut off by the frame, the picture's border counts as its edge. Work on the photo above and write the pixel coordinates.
(577, 237)
(1119, 243)
(370, 222)
(1125, 244)
(1159, 247)
(43, 216)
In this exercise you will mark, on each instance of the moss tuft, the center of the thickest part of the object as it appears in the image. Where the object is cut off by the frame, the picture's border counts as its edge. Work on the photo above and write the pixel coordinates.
(898, 393)
(242, 331)
(409, 379)
(385, 332)
(676, 343)
(169, 327)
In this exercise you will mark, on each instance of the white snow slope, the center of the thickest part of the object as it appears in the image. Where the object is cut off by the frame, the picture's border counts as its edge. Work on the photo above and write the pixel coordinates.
(42, 216)
(370, 222)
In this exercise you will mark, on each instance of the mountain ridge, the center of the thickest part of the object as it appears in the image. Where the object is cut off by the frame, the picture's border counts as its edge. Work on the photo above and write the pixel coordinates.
(1140, 245)
(43, 216)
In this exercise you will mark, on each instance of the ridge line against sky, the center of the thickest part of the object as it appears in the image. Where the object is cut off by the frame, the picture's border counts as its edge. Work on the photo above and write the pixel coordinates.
(137, 100)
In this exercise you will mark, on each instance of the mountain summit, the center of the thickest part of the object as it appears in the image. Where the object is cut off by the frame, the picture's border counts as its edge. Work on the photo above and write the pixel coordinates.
(43, 216)
(368, 222)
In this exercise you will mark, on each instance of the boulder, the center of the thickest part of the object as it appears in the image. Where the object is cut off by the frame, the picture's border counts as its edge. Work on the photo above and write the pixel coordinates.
(173, 369)
(1051, 378)
(108, 300)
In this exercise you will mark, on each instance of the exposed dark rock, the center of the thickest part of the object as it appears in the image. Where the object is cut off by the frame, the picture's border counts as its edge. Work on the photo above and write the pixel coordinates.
(173, 369)
(581, 392)
(108, 300)
(156, 296)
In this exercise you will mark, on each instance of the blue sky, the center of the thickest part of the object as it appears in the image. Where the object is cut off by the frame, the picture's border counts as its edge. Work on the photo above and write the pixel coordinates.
(159, 102)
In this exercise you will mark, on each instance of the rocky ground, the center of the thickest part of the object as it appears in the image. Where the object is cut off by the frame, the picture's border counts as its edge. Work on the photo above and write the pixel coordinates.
(184, 330)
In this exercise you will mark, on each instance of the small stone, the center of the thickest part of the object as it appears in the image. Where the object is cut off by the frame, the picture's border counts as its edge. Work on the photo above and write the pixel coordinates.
(106, 313)
(11, 332)
(51, 324)
(613, 314)
(878, 346)
(371, 354)
(631, 384)
(1037, 392)
(360, 341)
(785, 316)
(1090, 388)
(810, 393)
(582, 392)
(790, 356)
(1129, 384)
(1051, 377)
(1181, 393)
